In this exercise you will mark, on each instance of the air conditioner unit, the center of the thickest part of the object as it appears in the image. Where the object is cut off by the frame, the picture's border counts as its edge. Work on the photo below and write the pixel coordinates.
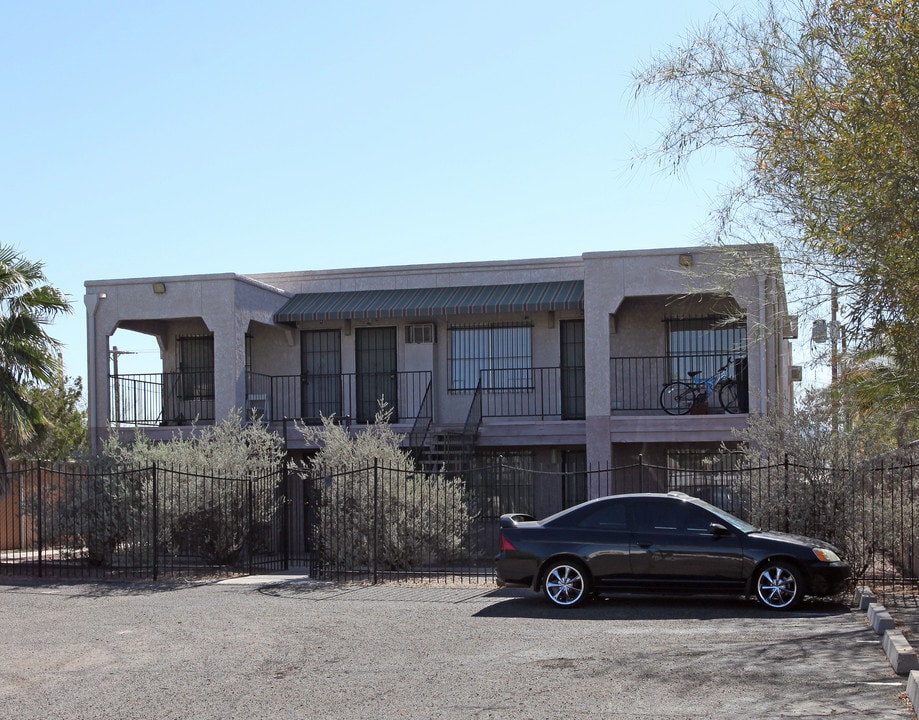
(797, 373)
(420, 334)
(790, 328)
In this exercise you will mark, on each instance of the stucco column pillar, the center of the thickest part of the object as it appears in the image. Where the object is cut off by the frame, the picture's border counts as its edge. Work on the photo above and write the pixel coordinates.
(597, 381)
(229, 370)
(97, 370)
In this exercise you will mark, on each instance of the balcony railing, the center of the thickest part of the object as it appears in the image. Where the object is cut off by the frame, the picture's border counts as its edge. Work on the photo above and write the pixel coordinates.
(544, 393)
(354, 396)
(637, 382)
(181, 398)
(178, 398)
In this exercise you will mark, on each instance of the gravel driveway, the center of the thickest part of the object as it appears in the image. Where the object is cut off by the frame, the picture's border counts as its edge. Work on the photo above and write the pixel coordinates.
(300, 649)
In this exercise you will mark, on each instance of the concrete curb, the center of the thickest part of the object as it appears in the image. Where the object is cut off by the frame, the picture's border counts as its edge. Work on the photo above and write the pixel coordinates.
(912, 687)
(291, 575)
(900, 653)
(902, 657)
(879, 619)
(864, 597)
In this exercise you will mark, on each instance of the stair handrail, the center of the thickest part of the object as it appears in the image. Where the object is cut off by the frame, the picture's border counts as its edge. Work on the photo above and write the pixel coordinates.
(422, 425)
(474, 417)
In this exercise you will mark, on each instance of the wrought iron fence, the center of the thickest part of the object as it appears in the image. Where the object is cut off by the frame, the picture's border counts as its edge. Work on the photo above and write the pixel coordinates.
(378, 523)
(870, 512)
(83, 521)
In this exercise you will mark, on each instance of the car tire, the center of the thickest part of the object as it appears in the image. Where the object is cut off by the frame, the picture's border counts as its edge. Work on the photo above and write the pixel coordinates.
(566, 584)
(779, 585)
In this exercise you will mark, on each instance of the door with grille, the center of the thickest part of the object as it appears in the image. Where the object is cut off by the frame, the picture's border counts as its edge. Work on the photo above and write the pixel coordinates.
(375, 360)
(572, 369)
(320, 374)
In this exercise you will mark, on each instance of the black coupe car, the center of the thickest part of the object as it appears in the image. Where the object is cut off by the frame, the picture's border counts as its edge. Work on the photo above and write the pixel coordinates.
(670, 543)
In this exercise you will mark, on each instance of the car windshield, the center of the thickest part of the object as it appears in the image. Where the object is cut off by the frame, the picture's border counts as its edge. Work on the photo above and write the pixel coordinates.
(735, 522)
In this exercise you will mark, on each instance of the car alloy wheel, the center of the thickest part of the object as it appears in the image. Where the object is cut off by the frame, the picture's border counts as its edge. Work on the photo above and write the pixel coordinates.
(565, 584)
(778, 586)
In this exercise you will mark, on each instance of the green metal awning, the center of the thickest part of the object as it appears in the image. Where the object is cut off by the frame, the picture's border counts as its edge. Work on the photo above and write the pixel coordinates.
(433, 302)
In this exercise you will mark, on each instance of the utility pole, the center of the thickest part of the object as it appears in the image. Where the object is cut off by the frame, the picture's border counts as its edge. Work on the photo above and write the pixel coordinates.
(834, 335)
(838, 349)
(116, 353)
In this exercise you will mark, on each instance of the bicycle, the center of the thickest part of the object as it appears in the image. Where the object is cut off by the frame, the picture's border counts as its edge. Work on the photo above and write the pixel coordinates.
(679, 397)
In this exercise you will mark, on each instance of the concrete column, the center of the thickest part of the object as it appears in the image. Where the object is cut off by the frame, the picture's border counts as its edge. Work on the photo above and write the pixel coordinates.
(97, 386)
(601, 298)
(229, 331)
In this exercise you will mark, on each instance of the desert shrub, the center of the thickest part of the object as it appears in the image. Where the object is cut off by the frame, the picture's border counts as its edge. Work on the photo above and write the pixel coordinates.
(93, 511)
(217, 487)
(376, 508)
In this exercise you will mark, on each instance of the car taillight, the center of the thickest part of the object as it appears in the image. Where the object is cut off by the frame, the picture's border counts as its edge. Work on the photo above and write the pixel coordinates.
(506, 544)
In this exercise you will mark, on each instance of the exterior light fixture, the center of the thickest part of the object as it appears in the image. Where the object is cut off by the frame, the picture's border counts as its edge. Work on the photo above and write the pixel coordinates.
(159, 288)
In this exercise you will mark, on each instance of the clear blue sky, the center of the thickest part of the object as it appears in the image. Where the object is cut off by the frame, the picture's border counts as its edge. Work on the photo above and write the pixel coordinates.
(144, 139)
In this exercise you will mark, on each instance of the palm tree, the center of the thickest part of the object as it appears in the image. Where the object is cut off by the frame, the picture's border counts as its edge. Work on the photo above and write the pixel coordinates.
(28, 355)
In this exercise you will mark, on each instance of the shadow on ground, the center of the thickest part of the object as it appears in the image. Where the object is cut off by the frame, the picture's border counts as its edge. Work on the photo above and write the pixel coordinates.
(99, 588)
(523, 604)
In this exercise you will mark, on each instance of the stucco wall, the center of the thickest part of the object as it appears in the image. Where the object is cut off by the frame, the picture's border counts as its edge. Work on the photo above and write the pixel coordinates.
(627, 294)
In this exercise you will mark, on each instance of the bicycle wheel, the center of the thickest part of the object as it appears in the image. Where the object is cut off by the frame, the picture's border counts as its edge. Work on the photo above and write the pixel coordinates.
(677, 398)
(727, 396)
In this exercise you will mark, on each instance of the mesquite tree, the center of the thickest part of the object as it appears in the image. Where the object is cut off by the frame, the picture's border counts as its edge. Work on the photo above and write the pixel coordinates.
(819, 100)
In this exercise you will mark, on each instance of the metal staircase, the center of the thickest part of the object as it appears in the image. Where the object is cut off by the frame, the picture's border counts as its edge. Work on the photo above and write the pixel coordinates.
(447, 449)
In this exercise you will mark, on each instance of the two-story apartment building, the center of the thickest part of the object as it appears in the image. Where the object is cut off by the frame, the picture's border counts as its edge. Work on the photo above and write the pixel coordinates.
(551, 363)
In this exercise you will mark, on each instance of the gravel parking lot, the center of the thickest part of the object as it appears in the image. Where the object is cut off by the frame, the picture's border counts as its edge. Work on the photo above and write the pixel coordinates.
(297, 649)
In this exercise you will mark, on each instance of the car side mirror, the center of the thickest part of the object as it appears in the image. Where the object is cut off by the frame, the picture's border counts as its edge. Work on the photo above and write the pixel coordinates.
(718, 530)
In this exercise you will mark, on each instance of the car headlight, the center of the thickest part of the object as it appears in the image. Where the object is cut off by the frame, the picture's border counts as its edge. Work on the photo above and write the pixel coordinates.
(824, 555)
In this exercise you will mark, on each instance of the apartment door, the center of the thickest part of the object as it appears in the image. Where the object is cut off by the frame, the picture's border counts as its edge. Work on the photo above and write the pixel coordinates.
(320, 374)
(375, 360)
(571, 338)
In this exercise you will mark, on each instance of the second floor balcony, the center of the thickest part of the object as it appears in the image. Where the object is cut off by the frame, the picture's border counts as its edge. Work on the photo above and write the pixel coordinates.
(539, 394)
(698, 384)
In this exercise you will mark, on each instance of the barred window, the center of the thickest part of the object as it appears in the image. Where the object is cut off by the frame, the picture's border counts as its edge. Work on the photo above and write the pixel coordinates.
(501, 356)
(704, 344)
